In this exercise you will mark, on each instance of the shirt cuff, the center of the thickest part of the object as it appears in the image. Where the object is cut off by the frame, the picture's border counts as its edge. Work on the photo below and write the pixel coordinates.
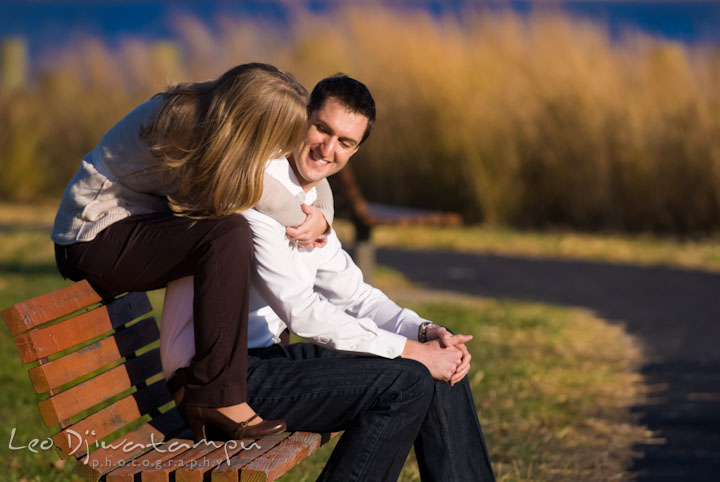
(409, 328)
(390, 345)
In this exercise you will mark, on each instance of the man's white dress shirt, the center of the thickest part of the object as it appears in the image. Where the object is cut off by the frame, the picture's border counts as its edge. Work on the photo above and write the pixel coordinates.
(319, 294)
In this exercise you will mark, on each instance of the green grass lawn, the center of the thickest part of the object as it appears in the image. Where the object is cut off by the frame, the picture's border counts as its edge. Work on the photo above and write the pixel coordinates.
(553, 386)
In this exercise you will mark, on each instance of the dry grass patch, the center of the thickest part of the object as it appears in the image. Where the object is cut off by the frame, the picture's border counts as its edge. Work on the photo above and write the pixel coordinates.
(16, 214)
(521, 120)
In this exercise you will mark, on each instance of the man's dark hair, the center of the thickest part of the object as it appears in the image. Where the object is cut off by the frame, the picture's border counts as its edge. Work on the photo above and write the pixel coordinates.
(350, 93)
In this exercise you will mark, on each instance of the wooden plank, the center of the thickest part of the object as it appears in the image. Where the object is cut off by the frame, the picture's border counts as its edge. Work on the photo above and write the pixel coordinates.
(100, 388)
(106, 421)
(217, 458)
(34, 312)
(193, 458)
(128, 447)
(48, 341)
(150, 461)
(77, 364)
(281, 458)
(229, 472)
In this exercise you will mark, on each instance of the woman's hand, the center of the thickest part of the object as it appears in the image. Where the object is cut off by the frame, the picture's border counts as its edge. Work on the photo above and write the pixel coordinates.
(312, 232)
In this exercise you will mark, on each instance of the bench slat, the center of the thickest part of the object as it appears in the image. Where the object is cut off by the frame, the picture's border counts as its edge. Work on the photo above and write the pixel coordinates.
(128, 446)
(212, 460)
(150, 461)
(100, 388)
(48, 341)
(194, 457)
(66, 334)
(109, 419)
(101, 353)
(28, 314)
(229, 472)
(281, 458)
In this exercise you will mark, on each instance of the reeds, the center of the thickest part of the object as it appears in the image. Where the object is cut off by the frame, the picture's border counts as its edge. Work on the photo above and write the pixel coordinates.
(534, 121)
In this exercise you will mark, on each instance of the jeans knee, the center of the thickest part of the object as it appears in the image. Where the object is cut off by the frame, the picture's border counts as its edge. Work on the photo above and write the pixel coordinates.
(420, 383)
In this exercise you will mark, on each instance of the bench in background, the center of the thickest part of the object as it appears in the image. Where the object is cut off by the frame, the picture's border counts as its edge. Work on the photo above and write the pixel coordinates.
(98, 362)
(351, 203)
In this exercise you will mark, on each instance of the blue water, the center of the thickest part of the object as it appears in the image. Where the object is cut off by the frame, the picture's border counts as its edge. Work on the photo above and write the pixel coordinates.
(50, 24)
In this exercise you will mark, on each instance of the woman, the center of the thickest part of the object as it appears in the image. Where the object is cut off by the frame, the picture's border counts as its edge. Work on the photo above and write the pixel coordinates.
(158, 199)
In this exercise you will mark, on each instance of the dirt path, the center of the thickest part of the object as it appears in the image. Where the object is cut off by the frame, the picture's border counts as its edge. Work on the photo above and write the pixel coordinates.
(674, 312)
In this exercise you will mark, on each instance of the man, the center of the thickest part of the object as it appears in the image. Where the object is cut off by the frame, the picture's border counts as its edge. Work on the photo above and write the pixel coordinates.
(384, 402)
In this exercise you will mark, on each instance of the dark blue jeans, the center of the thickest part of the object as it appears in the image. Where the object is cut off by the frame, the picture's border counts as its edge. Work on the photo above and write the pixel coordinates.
(384, 406)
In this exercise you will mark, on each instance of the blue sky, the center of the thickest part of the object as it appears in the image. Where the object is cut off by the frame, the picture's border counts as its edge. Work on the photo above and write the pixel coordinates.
(51, 24)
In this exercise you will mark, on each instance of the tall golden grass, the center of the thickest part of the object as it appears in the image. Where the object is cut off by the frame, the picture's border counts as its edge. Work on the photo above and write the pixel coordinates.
(526, 121)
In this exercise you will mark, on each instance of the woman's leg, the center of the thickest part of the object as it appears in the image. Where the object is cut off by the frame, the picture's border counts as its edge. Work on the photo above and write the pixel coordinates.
(146, 252)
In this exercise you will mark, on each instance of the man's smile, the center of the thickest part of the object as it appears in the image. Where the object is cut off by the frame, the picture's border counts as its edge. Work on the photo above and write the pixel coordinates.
(317, 158)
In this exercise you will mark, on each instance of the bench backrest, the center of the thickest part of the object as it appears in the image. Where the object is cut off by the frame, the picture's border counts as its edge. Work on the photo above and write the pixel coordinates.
(99, 365)
(351, 203)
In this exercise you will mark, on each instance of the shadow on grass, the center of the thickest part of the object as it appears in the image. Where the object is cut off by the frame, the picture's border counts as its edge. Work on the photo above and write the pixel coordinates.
(675, 313)
(24, 268)
(25, 227)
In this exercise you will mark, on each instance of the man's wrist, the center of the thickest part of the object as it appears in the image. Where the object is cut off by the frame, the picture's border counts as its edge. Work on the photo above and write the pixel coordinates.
(422, 331)
(434, 331)
(410, 349)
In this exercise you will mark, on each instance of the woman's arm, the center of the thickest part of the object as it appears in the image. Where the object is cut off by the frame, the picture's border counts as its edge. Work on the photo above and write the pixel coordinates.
(325, 202)
(279, 204)
(307, 225)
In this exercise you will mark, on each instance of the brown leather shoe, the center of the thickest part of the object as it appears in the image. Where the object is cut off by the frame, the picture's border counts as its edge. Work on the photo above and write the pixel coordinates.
(201, 419)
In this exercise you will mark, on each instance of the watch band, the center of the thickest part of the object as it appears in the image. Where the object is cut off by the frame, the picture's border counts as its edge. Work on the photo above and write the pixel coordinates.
(422, 331)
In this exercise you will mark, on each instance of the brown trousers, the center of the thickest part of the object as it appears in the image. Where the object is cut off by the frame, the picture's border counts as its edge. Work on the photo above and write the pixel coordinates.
(145, 252)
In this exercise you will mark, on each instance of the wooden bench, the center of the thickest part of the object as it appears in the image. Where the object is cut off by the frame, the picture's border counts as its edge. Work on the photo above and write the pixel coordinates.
(99, 363)
(351, 203)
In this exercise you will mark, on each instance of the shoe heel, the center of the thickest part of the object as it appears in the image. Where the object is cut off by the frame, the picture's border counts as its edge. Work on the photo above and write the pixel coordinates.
(198, 430)
(197, 424)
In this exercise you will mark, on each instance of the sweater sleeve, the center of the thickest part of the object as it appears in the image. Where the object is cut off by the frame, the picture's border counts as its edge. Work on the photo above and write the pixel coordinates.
(279, 204)
(324, 201)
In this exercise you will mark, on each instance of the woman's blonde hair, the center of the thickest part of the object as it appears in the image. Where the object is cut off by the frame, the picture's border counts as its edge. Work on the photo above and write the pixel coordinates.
(214, 138)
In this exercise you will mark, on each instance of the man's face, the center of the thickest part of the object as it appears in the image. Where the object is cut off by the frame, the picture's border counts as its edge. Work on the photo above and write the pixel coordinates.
(333, 135)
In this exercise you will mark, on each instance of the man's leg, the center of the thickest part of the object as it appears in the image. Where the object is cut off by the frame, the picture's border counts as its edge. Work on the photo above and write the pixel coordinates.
(379, 403)
(450, 446)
